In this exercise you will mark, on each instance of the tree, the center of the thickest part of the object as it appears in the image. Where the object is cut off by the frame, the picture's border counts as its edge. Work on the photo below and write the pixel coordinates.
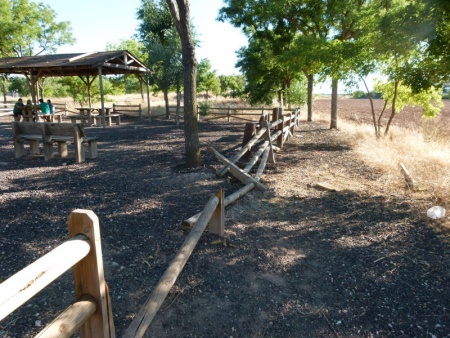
(402, 58)
(30, 28)
(179, 10)
(162, 47)
(397, 96)
(80, 93)
(207, 79)
(232, 85)
(284, 23)
(128, 83)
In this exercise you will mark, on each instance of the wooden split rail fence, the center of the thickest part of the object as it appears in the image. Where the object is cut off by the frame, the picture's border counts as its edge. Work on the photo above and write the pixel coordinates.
(248, 114)
(244, 114)
(91, 314)
(213, 212)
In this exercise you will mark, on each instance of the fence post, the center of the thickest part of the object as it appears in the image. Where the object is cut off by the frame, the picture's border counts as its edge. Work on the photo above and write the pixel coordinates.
(229, 114)
(216, 224)
(280, 127)
(249, 132)
(275, 114)
(88, 275)
(291, 124)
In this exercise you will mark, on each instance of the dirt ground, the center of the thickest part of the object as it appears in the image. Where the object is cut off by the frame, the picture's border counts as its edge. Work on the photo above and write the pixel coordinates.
(299, 261)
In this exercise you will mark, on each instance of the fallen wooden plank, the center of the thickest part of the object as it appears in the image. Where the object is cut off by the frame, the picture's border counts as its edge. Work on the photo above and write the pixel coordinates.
(326, 186)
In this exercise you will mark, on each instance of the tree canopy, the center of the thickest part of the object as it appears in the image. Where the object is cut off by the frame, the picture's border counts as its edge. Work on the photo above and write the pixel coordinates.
(30, 28)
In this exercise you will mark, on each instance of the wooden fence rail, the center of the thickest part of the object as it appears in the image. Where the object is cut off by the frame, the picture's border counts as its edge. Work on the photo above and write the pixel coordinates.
(141, 322)
(216, 113)
(91, 314)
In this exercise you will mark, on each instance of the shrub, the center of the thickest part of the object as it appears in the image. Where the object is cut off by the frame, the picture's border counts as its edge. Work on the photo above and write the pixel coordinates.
(205, 108)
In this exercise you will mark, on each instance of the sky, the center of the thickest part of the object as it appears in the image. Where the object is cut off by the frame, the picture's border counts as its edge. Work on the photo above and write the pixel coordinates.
(95, 23)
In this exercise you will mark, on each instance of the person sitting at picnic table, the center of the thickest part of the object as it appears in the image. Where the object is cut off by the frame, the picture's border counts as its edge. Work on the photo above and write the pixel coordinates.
(18, 110)
(45, 109)
(29, 110)
(51, 106)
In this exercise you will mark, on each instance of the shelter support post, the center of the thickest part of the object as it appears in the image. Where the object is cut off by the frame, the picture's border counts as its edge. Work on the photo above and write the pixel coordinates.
(100, 78)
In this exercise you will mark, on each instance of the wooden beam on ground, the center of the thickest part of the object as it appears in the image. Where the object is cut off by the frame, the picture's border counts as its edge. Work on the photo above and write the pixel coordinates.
(236, 171)
(142, 321)
(243, 150)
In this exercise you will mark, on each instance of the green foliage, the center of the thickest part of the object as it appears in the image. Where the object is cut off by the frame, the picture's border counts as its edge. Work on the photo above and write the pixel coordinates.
(297, 93)
(359, 94)
(232, 86)
(204, 108)
(161, 45)
(32, 29)
(20, 84)
(430, 100)
(127, 84)
(78, 90)
(207, 80)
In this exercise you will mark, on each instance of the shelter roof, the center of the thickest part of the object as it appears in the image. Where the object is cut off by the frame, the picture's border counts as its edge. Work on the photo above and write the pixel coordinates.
(76, 64)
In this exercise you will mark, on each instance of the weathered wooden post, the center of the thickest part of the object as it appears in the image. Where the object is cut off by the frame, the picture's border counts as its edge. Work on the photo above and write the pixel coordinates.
(291, 123)
(229, 114)
(249, 132)
(280, 127)
(88, 275)
(275, 113)
(216, 224)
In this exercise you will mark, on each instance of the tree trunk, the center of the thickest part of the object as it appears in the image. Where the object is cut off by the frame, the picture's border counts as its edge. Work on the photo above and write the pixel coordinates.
(310, 96)
(177, 112)
(166, 101)
(334, 99)
(393, 112)
(4, 78)
(180, 16)
(372, 109)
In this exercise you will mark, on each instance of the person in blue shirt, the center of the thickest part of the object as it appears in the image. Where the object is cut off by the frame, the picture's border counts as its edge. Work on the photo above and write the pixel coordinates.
(45, 109)
(51, 106)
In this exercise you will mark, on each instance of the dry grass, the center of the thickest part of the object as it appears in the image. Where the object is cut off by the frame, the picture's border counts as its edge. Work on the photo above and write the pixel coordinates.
(425, 154)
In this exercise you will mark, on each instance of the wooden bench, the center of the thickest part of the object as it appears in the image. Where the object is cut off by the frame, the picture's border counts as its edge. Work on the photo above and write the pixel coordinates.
(64, 133)
(27, 131)
(124, 109)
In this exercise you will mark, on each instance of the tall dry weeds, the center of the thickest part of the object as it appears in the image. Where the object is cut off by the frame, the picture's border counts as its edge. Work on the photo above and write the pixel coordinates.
(425, 154)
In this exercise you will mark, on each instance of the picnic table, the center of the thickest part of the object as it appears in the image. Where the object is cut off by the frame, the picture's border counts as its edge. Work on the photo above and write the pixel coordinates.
(85, 115)
(109, 116)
